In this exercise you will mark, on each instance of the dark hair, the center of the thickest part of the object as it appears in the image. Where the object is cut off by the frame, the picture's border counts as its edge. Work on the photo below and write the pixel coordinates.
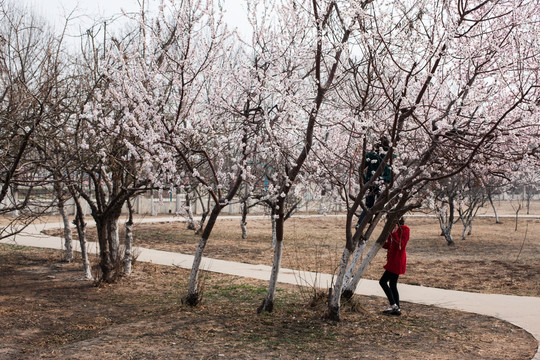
(383, 143)
(401, 221)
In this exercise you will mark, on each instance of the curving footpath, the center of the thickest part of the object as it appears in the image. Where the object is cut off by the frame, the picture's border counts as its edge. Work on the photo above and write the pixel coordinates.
(522, 311)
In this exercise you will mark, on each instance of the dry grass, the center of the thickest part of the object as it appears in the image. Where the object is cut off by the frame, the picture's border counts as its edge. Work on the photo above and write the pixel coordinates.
(494, 259)
(48, 313)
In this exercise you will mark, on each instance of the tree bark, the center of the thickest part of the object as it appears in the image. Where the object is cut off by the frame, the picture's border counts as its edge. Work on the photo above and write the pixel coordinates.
(268, 303)
(350, 288)
(334, 303)
(105, 264)
(67, 231)
(193, 296)
(243, 220)
(128, 249)
(357, 255)
(114, 240)
(349, 283)
(446, 222)
(87, 267)
(467, 227)
(494, 209)
(204, 215)
(191, 222)
(517, 216)
(81, 231)
(274, 236)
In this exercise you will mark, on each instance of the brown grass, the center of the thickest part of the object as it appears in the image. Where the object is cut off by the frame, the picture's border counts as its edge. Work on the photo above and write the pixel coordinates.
(48, 313)
(494, 259)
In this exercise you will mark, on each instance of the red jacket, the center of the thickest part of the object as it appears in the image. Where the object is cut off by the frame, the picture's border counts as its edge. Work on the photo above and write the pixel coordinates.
(396, 257)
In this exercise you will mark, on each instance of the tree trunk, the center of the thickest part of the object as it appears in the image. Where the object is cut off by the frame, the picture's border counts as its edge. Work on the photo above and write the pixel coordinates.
(191, 222)
(243, 221)
(467, 228)
(349, 281)
(528, 204)
(447, 233)
(464, 232)
(464, 221)
(204, 214)
(109, 244)
(350, 288)
(67, 231)
(268, 303)
(334, 303)
(441, 216)
(447, 222)
(81, 231)
(105, 264)
(357, 255)
(494, 209)
(114, 240)
(87, 267)
(517, 216)
(201, 224)
(128, 250)
(274, 236)
(193, 296)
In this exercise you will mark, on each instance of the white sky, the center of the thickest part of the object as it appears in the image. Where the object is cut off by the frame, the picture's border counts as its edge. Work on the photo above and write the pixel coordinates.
(87, 11)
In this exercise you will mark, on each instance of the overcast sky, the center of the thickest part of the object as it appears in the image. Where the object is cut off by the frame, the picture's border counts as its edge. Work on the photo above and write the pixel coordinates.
(90, 10)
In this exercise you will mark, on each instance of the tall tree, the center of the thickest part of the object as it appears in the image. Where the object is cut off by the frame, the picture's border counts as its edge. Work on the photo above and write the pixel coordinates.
(106, 137)
(458, 81)
(305, 41)
(31, 79)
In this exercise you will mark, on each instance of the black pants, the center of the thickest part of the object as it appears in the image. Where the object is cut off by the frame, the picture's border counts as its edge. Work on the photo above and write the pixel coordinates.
(390, 291)
(373, 192)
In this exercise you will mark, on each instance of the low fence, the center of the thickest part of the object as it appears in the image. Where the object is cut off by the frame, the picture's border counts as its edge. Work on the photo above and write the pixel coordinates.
(148, 205)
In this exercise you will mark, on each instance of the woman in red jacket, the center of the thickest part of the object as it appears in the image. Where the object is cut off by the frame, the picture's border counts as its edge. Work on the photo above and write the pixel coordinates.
(396, 261)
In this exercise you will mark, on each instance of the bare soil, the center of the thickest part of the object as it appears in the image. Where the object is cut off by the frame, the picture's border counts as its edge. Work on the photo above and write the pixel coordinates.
(47, 312)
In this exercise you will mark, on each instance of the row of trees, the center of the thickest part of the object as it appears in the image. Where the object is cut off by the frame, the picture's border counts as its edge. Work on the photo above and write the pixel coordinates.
(177, 100)
(459, 198)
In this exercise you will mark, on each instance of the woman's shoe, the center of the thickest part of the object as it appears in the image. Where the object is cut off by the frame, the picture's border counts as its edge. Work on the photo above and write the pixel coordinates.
(391, 309)
(395, 311)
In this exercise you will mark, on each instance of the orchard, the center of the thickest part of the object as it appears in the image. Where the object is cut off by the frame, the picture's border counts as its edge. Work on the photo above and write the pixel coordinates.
(447, 93)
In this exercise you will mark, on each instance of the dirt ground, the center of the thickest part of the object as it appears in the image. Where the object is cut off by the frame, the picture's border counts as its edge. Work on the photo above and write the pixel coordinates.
(48, 312)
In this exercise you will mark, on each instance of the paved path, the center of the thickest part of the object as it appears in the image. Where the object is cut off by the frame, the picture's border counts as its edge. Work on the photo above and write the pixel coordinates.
(522, 311)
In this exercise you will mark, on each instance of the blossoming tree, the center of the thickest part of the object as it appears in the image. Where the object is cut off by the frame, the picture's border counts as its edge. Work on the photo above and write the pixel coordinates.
(447, 85)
